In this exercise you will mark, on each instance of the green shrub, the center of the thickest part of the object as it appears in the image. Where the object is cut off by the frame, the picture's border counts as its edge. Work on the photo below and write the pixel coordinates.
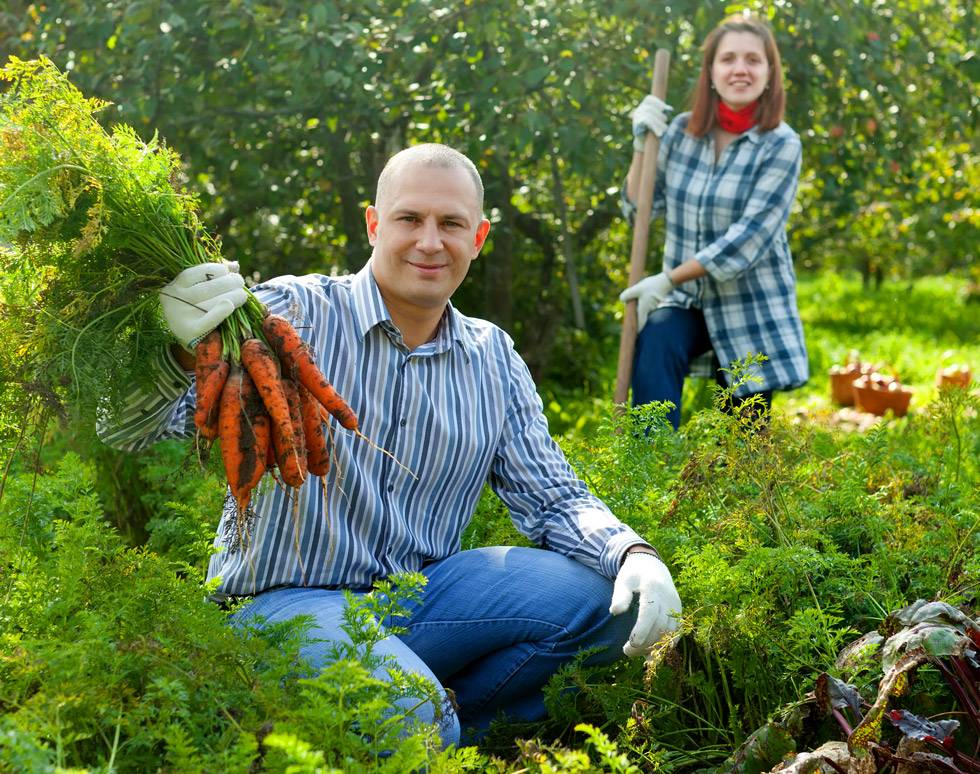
(111, 659)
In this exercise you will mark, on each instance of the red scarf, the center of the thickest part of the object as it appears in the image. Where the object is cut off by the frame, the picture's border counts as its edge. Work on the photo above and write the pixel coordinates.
(736, 121)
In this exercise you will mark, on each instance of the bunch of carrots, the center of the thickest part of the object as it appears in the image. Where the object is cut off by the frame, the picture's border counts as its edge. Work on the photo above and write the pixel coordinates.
(269, 411)
(91, 226)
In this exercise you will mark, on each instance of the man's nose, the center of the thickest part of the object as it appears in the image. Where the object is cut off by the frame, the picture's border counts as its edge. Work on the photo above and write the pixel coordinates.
(429, 241)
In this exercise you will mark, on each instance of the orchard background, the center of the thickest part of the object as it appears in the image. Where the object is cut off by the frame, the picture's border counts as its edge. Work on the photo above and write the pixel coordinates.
(785, 546)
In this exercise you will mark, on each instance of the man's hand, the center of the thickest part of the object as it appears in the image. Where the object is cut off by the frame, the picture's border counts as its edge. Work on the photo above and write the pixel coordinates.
(200, 298)
(649, 116)
(660, 605)
(648, 292)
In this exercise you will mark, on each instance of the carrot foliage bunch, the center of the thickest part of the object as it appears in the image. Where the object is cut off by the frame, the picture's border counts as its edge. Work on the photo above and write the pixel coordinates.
(92, 224)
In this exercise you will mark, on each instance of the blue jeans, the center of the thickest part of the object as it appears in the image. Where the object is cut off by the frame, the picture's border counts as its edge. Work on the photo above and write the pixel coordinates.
(493, 625)
(671, 339)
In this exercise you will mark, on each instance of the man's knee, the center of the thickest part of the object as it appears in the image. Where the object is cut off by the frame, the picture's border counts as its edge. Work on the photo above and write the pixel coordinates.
(590, 625)
(325, 609)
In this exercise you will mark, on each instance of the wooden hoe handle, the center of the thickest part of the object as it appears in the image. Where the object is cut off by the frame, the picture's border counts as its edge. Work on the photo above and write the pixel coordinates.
(641, 232)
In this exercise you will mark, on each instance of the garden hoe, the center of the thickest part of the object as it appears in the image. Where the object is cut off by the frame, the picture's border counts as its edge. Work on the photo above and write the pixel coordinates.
(641, 231)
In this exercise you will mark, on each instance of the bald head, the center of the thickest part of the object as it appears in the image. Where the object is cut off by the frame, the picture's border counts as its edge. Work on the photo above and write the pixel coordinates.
(427, 155)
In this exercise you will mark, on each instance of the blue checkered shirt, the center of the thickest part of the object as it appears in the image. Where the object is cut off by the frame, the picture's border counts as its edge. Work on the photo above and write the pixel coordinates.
(458, 412)
(731, 216)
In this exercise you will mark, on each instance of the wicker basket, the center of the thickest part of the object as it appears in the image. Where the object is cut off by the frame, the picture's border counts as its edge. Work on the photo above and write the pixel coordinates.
(954, 377)
(841, 391)
(879, 402)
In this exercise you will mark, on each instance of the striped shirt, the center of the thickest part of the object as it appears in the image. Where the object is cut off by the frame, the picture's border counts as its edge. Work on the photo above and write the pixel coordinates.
(457, 412)
(731, 216)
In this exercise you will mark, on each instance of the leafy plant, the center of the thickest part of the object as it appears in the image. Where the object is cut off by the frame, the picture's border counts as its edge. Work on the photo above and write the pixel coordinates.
(94, 224)
(924, 634)
(110, 658)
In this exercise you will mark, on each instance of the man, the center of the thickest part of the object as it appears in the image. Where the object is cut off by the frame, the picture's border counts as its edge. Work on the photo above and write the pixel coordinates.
(449, 397)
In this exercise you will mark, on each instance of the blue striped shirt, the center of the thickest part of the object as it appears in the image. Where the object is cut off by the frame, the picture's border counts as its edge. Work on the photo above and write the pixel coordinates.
(731, 216)
(458, 412)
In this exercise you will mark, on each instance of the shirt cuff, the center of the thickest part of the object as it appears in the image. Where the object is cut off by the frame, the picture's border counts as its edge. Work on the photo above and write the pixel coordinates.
(171, 380)
(615, 551)
(646, 549)
(718, 269)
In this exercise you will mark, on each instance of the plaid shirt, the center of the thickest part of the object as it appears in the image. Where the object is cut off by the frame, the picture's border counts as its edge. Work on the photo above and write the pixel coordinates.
(731, 216)
(458, 412)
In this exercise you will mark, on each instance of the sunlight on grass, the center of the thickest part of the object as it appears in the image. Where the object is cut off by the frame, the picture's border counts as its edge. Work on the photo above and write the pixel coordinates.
(912, 330)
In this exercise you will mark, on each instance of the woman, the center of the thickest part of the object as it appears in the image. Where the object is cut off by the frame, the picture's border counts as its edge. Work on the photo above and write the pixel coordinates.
(727, 175)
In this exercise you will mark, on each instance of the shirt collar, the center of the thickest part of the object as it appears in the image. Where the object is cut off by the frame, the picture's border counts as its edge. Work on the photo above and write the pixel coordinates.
(370, 310)
(368, 305)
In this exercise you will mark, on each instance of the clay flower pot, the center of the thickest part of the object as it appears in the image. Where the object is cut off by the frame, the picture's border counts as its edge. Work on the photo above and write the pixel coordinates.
(879, 394)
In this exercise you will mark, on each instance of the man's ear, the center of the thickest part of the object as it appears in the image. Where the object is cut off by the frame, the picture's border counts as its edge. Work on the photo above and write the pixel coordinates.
(371, 221)
(481, 235)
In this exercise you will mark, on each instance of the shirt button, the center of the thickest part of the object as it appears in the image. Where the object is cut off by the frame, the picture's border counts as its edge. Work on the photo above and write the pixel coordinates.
(402, 423)
(391, 487)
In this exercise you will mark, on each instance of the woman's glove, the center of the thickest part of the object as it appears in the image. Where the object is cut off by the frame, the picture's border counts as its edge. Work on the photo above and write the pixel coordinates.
(660, 605)
(648, 292)
(649, 116)
(200, 298)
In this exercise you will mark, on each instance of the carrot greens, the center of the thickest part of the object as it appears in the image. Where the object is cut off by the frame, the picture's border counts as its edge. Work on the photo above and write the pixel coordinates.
(92, 223)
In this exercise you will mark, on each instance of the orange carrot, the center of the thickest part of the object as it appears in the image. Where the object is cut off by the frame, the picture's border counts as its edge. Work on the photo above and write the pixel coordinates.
(292, 460)
(241, 445)
(258, 433)
(208, 361)
(270, 456)
(229, 431)
(208, 397)
(317, 453)
(264, 370)
(296, 356)
(262, 430)
(207, 354)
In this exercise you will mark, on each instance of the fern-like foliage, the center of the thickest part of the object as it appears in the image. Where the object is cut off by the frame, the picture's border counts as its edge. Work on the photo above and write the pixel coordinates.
(91, 225)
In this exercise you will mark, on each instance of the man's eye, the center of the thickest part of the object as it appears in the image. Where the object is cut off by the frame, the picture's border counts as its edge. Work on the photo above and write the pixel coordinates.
(451, 224)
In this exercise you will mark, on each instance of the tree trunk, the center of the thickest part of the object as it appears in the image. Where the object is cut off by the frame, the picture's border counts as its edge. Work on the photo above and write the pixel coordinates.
(567, 248)
(498, 263)
(357, 250)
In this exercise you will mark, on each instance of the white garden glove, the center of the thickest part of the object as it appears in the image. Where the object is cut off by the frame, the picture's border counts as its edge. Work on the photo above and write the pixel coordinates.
(660, 605)
(649, 116)
(200, 298)
(648, 293)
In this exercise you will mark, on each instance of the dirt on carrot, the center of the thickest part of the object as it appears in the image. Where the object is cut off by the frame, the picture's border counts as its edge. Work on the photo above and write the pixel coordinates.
(264, 370)
(300, 365)
(209, 391)
(317, 450)
(292, 461)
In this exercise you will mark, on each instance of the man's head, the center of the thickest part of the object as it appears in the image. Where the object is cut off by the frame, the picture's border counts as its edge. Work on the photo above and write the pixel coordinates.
(430, 154)
(426, 227)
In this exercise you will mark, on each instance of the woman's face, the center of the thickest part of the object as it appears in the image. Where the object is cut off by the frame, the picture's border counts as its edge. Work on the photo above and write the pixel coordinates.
(740, 71)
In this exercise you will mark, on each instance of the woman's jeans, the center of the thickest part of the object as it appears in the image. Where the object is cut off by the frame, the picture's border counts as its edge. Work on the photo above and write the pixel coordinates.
(671, 339)
(493, 625)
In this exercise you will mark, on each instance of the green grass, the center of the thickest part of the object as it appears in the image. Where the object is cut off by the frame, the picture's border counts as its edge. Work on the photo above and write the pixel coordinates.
(913, 329)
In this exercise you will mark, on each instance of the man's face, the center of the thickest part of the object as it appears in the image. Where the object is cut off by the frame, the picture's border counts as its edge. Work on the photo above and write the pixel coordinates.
(425, 234)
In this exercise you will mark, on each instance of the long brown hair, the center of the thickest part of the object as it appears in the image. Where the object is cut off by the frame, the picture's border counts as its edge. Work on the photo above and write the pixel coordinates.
(772, 103)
